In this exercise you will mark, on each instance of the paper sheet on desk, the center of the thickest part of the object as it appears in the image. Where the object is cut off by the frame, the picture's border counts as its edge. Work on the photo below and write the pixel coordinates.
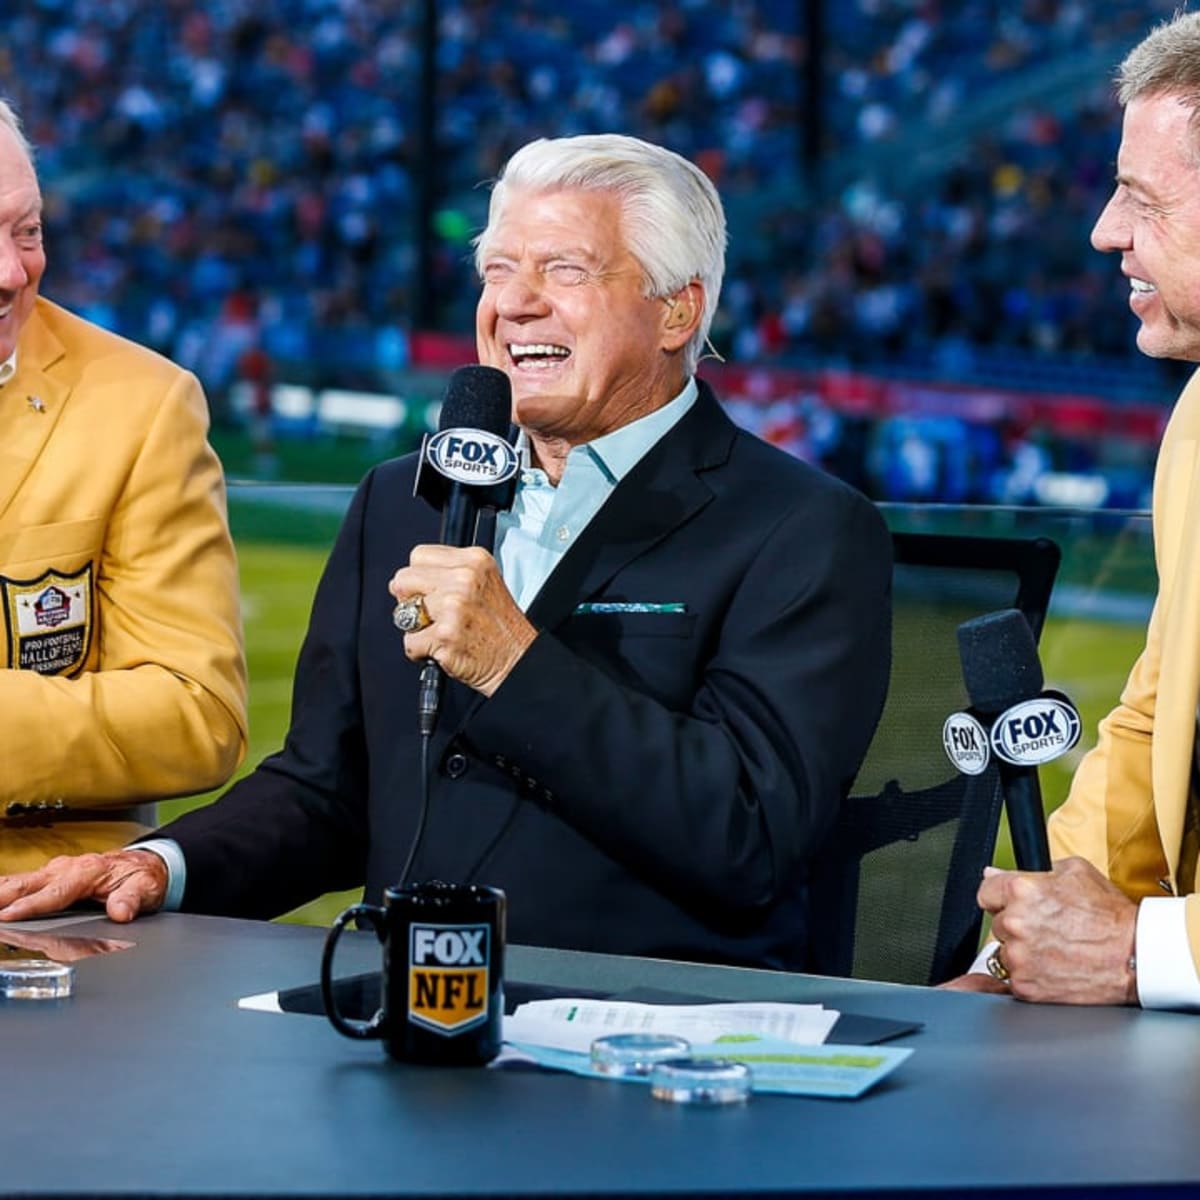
(571, 1024)
(836, 1072)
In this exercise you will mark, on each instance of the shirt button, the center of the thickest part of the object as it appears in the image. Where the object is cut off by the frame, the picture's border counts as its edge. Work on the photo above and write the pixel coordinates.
(562, 533)
(455, 765)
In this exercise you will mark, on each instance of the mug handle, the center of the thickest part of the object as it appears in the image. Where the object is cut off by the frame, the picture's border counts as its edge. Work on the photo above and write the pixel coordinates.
(351, 1029)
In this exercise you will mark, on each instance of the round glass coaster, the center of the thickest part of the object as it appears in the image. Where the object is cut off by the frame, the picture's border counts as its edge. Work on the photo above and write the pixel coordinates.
(707, 1081)
(635, 1053)
(35, 979)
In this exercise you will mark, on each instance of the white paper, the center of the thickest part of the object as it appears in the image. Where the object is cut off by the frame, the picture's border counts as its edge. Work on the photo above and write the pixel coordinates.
(567, 1024)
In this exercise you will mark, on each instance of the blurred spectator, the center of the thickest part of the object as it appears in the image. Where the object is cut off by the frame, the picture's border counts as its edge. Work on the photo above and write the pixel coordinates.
(245, 174)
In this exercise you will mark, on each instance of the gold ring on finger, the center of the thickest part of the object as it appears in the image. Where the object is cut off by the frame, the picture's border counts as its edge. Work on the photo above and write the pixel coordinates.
(995, 965)
(410, 615)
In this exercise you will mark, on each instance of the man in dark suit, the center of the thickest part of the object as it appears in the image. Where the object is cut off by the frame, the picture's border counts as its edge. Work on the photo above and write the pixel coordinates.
(663, 680)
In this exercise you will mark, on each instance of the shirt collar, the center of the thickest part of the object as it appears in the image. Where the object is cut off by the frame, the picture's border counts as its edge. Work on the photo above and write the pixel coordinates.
(617, 453)
(8, 368)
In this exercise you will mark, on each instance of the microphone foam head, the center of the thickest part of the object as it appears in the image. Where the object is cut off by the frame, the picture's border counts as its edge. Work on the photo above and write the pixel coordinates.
(478, 398)
(999, 659)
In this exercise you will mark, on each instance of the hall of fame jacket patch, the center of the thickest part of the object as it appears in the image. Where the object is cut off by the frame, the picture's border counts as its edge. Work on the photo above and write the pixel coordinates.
(49, 621)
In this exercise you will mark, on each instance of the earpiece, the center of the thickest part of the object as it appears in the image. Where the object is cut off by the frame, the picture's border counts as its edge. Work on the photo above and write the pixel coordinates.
(682, 310)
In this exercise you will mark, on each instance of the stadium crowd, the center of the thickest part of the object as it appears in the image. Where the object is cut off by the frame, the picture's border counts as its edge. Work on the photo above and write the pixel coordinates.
(241, 176)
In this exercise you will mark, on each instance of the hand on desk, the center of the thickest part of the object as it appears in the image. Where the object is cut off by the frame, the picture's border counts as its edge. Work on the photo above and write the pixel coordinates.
(1066, 936)
(126, 882)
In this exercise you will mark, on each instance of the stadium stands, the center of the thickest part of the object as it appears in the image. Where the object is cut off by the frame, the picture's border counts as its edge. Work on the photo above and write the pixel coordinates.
(238, 180)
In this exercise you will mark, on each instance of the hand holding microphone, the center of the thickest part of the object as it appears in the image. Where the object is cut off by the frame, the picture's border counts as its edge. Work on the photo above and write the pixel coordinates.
(453, 607)
(1062, 933)
(1012, 718)
(476, 633)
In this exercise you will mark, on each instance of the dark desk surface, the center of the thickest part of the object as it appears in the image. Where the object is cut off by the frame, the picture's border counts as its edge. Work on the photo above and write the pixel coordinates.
(150, 1081)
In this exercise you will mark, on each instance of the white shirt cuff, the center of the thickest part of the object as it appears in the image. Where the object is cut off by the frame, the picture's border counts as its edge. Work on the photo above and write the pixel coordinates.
(172, 857)
(1166, 972)
(979, 966)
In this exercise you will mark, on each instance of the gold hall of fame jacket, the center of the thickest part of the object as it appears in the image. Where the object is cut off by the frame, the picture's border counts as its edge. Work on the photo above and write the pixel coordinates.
(1128, 801)
(124, 677)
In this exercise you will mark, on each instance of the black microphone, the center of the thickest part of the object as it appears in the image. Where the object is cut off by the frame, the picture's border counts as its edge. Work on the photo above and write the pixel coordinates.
(467, 467)
(1024, 725)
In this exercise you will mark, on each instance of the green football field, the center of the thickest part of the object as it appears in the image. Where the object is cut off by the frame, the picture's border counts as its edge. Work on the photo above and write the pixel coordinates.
(1088, 659)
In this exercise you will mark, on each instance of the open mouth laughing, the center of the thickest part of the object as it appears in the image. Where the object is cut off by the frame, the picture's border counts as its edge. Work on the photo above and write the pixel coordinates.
(536, 355)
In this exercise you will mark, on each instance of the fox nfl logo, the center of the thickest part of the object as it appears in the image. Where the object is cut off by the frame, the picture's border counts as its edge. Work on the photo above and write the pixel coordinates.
(448, 969)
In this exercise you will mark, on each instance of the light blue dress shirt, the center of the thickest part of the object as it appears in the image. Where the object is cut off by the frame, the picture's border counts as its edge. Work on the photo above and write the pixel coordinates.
(532, 537)
(545, 521)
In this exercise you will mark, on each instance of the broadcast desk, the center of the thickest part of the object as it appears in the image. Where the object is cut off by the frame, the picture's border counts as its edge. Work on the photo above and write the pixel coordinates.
(150, 1081)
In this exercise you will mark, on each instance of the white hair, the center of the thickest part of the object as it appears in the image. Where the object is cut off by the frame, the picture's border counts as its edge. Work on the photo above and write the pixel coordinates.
(10, 120)
(671, 215)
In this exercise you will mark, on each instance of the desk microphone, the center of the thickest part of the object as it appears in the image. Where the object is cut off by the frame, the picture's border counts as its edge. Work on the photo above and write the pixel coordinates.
(467, 467)
(1013, 718)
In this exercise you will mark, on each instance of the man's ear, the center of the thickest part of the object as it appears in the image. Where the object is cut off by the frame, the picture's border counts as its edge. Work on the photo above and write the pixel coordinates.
(683, 313)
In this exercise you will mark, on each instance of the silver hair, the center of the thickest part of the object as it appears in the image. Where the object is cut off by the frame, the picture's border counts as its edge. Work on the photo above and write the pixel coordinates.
(1166, 62)
(672, 218)
(10, 120)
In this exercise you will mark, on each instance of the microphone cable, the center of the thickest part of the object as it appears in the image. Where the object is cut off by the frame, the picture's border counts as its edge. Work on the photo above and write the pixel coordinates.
(423, 812)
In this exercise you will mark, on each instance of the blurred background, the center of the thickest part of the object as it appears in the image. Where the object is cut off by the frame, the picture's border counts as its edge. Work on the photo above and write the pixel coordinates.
(281, 194)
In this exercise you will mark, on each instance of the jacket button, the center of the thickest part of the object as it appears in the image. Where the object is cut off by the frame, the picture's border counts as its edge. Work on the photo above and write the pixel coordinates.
(455, 765)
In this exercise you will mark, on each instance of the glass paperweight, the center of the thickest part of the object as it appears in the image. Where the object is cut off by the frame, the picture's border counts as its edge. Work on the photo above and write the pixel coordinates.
(702, 1081)
(35, 979)
(635, 1053)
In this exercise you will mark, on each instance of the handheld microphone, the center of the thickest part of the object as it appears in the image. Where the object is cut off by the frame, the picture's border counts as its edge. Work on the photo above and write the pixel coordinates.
(467, 467)
(1020, 723)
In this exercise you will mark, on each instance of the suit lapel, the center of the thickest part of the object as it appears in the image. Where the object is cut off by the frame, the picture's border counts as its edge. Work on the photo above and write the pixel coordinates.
(661, 492)
(658, 495)
(30, 406)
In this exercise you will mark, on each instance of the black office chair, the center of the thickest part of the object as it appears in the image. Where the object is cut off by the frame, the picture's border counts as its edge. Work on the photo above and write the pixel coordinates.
(893, 889)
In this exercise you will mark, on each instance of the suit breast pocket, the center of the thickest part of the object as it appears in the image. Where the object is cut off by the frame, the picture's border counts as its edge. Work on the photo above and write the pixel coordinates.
(619, 626)
(653, 652)
(63, 546)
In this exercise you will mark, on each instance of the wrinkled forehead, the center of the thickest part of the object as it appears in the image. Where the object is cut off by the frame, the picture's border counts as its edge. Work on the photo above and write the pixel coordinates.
(590, 220)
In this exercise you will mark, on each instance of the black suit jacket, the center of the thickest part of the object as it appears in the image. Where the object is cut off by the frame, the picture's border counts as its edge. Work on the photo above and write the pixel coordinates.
(641, 783)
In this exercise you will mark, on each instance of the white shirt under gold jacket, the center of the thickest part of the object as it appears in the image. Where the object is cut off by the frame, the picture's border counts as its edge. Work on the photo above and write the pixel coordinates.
(1128, 801)
(125, 677)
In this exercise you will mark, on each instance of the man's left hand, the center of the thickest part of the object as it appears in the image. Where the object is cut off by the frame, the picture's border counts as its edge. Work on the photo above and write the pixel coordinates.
(1066, 935)
(477, 633)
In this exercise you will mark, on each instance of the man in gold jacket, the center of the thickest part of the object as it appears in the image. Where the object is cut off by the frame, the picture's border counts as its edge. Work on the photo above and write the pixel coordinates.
(1118, 919)
(123, 675)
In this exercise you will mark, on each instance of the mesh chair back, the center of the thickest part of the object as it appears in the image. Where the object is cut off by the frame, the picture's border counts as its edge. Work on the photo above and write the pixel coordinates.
(893, 890)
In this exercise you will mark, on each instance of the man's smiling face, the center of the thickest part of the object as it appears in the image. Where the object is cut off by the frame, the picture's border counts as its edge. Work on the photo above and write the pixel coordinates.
(564, 314)
(1153, 222)
(22, 258)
